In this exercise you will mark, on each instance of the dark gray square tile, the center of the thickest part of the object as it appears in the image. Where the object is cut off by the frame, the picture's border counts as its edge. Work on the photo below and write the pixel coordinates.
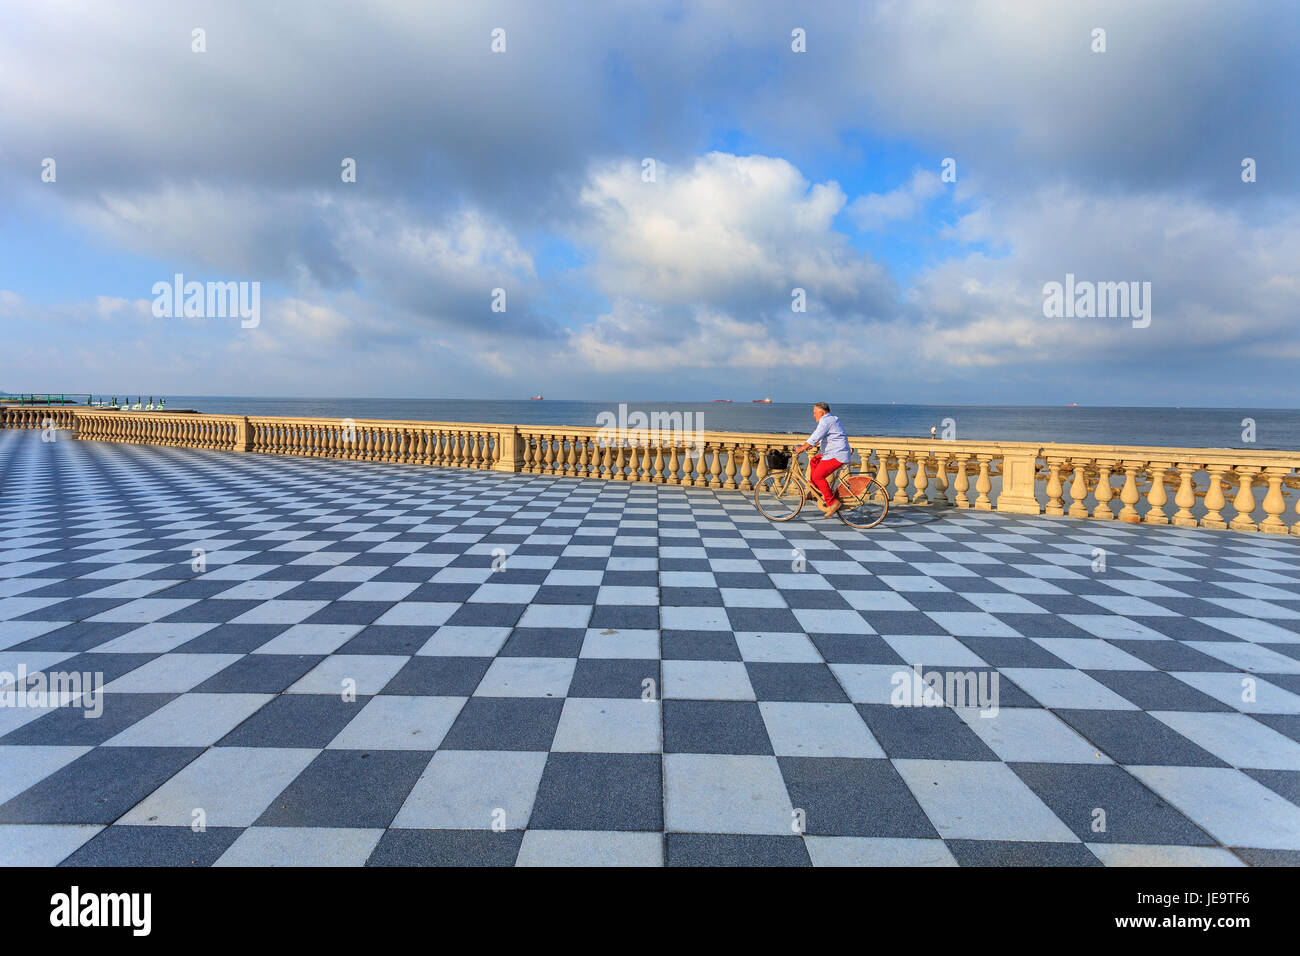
(843, 796)
(505, 723)
(347, 788)
(795, 682)
(923, 733)
(99, 786)
(599, 791)
(1136, 738)
(154, 846)
(1088, 796)
(295, 720)
(447, 848)
(438, 677)
(714, 727)
(735, 849)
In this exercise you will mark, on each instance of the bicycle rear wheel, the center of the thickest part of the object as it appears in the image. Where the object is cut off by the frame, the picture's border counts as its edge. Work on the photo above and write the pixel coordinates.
(864, 503)
(779, 496)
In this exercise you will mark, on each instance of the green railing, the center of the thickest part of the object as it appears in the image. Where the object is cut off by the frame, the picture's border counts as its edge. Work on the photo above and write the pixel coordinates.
(45, 398)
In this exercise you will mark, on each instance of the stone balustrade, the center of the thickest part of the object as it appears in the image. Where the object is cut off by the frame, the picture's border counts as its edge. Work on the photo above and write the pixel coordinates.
(733, 461)
(37, 416)
(217, 432)
(1185, 487)
(445, 444)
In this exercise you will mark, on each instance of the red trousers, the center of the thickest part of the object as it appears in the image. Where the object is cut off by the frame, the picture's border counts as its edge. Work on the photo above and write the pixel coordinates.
(819, 469)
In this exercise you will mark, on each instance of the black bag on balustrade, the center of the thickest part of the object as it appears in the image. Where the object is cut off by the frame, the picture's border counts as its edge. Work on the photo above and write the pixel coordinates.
(778, 460)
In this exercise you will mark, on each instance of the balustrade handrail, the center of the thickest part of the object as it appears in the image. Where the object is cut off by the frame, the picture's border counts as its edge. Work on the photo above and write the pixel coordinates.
(1077, 479)
(1071, 450)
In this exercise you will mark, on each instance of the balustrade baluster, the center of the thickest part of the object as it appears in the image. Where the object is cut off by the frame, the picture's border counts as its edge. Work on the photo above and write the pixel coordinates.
(1274, 502)
(1214, 500)
(1055, 504)
(1079, 488)
(941, 479)
(1129, 495)
(983, 484)
(1102, 511)
(921, 483)
(747, 453)
(961, 483)
(901, 479)
(1156, 496)
(1244, 502)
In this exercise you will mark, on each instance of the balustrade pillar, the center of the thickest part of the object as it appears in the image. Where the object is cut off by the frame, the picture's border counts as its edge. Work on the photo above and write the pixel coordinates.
(1055, 504)
(900, 479)
(1104, 492)
(921, 482)
(1019, 494)
(961, 483)
(1156, 496)
(1214, 500)
(941, 479)
(1244, 502)
(1129, 495)
(508, 450)
(983, 484)
(1079, 488)
(1274, 502)
(1185, 497)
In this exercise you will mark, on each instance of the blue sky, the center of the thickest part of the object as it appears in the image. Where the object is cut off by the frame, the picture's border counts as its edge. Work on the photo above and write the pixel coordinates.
(776, 170)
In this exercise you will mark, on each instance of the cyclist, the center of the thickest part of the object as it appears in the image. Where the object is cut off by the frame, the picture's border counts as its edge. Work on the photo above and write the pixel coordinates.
(834, 453)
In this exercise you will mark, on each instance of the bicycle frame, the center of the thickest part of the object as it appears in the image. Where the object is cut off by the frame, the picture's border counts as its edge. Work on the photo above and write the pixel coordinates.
(793, 484)
(802, 476)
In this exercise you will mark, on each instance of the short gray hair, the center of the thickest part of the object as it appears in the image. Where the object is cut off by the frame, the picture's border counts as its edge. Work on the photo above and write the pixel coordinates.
(824, 407)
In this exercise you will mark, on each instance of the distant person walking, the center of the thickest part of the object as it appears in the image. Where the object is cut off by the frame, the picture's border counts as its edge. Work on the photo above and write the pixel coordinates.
(834, 453)
(933, 429)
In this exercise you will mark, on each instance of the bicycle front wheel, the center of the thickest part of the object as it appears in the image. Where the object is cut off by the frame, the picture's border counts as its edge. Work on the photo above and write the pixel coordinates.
(864, 503)
(778, 496)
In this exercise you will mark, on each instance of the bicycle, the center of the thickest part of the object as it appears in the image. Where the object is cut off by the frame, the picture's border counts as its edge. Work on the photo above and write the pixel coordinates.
(781, 493)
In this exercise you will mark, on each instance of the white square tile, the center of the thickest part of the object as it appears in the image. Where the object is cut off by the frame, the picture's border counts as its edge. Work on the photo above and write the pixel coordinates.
(777, 648)
(724, 793)
(360, 674)
(473, 790)
(799, 729)
(602, 725)
(706, 680)
(980, 800)
(310, 639)
(527, 677)
(464, 641)
(620, 643)
(393, 722)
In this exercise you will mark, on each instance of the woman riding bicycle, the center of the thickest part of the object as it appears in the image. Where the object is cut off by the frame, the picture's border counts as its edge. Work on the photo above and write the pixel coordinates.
(834, 453)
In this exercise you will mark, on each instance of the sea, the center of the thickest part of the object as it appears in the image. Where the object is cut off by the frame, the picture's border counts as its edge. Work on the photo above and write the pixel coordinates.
(1243, 428)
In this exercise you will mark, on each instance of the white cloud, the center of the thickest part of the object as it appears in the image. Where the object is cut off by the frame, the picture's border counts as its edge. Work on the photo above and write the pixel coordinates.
(730, 231)
(875, 210)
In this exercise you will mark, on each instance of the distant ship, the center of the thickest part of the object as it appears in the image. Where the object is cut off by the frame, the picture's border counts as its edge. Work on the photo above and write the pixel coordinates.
(762, 401)
(1073, 405)
(722, 400)
(535, 398)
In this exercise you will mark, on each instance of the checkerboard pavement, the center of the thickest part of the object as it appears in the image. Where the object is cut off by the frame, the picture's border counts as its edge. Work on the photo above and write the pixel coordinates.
(382, 664)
